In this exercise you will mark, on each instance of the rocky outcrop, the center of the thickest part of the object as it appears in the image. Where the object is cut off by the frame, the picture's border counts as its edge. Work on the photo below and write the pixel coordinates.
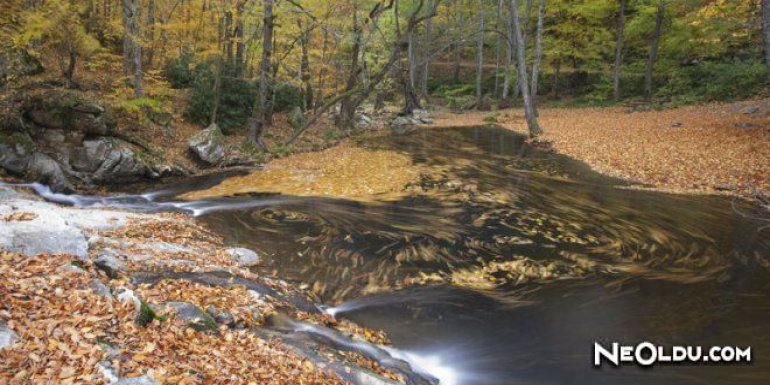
(63, 140)
(208, 145)
(417, 117)
(47, 228)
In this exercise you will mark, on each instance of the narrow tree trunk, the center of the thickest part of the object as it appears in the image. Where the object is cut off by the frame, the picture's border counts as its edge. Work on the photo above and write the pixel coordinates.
(538, 55)
(267, 46)
(618, 52)
(521, 64)
(654, 49)
(426, 56)
(132, 50)
(766, 29)
(150, 31)
(411, 99)
(497, 46)
(304, 69)
(506, 95)
(240, 44)
(346, 117)
(480, 52)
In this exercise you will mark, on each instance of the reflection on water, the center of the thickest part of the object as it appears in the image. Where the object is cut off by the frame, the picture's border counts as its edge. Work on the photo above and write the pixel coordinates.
(532, 258)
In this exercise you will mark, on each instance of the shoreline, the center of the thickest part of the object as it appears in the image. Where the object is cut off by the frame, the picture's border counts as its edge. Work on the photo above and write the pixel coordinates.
(682, 150)
(106, 296)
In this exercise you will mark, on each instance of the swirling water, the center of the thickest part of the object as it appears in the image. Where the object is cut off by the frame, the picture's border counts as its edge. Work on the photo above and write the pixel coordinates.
(508, 265)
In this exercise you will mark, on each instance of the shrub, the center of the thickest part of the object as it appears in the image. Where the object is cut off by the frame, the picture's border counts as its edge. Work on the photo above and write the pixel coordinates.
(237, 98)
(178, 72)
(711, 81)
(287, 97)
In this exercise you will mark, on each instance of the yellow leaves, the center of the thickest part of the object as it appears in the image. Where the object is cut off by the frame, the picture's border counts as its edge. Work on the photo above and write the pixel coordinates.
(342, 171)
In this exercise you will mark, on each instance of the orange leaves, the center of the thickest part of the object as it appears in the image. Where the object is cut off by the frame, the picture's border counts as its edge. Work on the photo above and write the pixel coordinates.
(706, 148)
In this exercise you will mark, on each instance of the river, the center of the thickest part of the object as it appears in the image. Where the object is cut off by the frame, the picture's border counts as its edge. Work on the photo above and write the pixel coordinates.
(510, 266)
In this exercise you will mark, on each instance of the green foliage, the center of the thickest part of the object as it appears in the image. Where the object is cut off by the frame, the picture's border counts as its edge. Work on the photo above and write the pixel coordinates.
(135, 106)
(147, 314)
(283, 150)
(256, 153)
(714, 81)
(287, 97)
(179, 72)
(237, 98)
(491, 118)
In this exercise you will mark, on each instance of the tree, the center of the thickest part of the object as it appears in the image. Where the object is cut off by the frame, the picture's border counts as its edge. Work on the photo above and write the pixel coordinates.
(538, 54)
(521, 65)
(264, 71)
(132, 50)
(660, 15)
(621, 23)
(58, 26)
(766, 29)
(480, 52)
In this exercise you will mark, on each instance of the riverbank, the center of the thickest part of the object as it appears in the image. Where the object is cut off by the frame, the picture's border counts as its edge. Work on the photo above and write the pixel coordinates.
(105, 296)
(711, 148)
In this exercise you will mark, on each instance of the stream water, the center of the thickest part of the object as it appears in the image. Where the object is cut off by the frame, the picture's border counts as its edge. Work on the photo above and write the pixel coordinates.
(509, 266)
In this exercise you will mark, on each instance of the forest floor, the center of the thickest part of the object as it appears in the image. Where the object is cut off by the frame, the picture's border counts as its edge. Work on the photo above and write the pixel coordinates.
(710, 148)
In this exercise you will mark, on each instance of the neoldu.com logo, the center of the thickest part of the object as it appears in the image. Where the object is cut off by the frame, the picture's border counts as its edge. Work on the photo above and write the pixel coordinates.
(649, 354)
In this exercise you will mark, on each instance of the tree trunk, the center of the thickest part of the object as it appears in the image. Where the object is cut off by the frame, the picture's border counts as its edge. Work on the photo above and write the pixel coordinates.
(497, 47)
(150, 31)
(521, 64)
(304, 69)
(267, 46)
(654, 49)
(346, 117)
(506, 95)
(766, 29)
(240, 44)
(132, 51)
(426, 56)
(411, 99)
(480, 52)
(538, 55)
(618, 52)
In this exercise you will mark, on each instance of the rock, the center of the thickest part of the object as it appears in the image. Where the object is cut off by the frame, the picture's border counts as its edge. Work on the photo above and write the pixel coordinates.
(109, 372)
(126, 295)
(194, 316)
(7, 337)
(107, 262)
(363, 121)
(750, 110)
(100, 288)
(296, 118)
(165, 247)
(143, 380)
(72, 268)
(676, 124)
(244, 257)
(485, 104)
(119, 163)
(64, 110)
(420, 114)
(161, 118)
(208, 145)
(47, 233)
(222, 317)
(401, 121)
(746, 125)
